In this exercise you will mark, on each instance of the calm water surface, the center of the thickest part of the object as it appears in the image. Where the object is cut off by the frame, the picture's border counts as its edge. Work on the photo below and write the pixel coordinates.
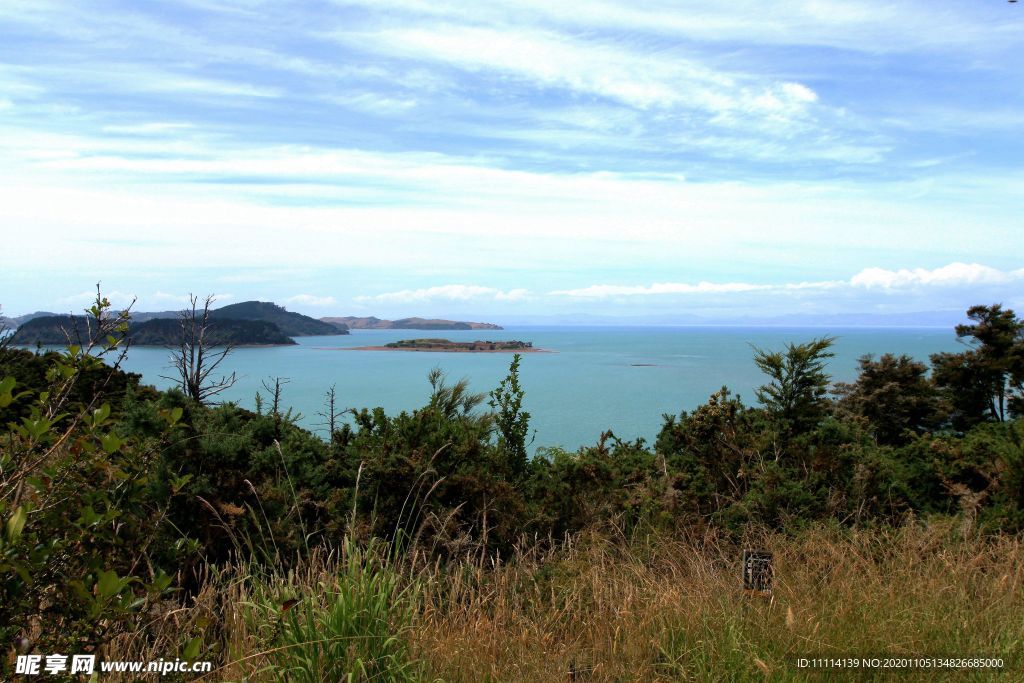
(595, 379)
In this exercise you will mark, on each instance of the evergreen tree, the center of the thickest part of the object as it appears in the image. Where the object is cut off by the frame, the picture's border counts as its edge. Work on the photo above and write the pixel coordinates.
(796, 395)
(985, 382)
(512, 422)
(895, 396)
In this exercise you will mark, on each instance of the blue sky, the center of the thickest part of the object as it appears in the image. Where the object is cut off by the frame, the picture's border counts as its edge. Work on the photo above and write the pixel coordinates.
(514, 161)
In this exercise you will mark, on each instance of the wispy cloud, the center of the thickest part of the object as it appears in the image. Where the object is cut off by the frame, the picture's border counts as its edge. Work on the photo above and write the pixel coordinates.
(952, 275)
(658, 288)
(666, 151)
(169, 299)
(872, 26)
(150, 128)
(311, 300)
(643, 78)
(153, 301)
(86, 298)
(447, 293)
(374, 103)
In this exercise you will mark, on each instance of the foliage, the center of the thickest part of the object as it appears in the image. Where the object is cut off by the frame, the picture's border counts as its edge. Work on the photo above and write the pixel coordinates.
(81, 506)
(895, 397)
(121, 503)
(987, 381)
(795, 396)
(713, 451)
(512, 422)
(353, 626)
(614, 480)
(433, 472)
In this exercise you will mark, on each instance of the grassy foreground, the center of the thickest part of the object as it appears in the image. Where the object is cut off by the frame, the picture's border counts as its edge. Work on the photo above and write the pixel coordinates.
(618, 609)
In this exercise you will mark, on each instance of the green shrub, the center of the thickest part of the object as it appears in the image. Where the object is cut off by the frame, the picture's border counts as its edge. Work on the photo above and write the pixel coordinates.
(354, 627)
(85, 547)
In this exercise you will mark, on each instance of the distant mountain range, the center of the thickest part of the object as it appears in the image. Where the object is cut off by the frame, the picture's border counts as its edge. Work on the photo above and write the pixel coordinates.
(936, 319)
(372, 323)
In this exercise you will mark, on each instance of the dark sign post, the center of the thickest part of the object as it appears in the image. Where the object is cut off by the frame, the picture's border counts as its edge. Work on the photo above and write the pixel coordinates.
(758, 571)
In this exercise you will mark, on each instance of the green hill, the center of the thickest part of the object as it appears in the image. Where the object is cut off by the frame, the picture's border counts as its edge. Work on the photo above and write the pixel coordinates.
(247, 323)
(58, 330)
(292, 324)
(166, 332)
(51, 330)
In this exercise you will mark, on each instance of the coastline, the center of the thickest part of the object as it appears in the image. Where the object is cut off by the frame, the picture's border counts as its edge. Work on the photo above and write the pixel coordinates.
(420, 350)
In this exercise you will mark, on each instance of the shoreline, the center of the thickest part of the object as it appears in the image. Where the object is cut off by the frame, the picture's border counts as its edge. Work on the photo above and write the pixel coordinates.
(64, 345)
(391, 348)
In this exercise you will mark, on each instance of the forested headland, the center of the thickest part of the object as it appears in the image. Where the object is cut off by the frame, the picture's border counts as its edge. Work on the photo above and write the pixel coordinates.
(146, 524)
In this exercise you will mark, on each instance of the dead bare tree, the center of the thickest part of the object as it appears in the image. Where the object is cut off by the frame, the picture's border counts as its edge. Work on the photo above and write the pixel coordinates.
(274, 390)
(5, 332)
(332, 415)
(197, 356)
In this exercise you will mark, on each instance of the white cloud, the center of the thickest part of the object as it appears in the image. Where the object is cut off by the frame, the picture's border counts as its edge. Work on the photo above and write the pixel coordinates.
(118, 299)
(952, 275)
(639, 77)
(374, 103)
(658, 288)
(311, 300)
(799, 92)
(151, 128)
(160, 299)
(447, 293)
(349, 207)
(873, 26)
(207, 86)
(167, 298)
(512, 295)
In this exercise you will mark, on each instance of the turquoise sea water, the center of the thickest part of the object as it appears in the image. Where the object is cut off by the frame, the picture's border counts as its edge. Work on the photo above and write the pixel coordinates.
(594, 379)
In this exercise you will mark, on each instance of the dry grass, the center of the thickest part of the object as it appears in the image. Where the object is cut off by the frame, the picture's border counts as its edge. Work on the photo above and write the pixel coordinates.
(660, 608)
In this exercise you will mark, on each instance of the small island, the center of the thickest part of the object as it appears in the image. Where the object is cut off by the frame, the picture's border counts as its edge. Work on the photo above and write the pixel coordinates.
(447, 345)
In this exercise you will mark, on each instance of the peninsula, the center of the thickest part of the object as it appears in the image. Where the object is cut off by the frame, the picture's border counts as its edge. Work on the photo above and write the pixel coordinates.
(59, 330)
(249, 323)
(446, 345)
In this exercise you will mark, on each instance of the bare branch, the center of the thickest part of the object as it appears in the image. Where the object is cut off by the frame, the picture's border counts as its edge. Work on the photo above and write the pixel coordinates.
(195, 358)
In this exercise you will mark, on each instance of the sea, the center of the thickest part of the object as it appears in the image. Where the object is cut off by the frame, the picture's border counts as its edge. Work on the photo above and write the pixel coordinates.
(588, 379)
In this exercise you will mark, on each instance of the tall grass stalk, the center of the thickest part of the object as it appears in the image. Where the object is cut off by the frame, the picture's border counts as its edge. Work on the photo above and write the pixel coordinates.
(612, 608)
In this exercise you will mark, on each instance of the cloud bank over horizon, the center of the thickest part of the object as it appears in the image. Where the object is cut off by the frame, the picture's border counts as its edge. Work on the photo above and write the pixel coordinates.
(402, 157)
(948, 290)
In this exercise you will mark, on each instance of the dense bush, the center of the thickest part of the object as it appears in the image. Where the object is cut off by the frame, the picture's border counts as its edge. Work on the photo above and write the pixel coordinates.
(83, 549)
